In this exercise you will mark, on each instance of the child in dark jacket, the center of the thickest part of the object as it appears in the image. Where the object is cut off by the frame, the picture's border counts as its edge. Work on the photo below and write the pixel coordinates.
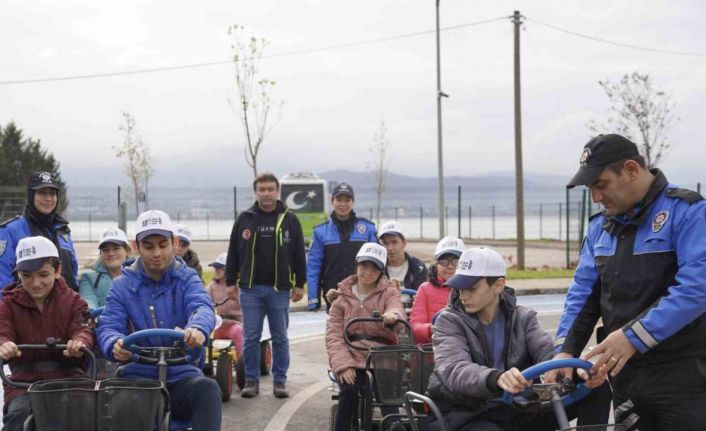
(481, 342)
(38, 307)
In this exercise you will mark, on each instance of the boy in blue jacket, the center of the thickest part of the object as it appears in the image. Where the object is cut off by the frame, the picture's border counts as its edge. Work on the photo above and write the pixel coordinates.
(160, 291)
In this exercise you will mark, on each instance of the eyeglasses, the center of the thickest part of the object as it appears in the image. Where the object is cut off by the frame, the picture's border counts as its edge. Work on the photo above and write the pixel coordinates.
(448, 262)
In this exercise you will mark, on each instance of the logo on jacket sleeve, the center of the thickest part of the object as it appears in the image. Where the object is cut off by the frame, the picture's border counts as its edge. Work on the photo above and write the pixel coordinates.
(659, 221)
(3, 246)
(360, 227)
(246, 234)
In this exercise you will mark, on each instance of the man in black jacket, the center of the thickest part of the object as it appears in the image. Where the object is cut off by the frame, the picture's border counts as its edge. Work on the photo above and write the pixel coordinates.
(266, 258)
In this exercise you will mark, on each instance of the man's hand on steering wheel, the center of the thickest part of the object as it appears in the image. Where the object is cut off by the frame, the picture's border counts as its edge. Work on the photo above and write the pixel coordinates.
(9, 350)
(194, 337)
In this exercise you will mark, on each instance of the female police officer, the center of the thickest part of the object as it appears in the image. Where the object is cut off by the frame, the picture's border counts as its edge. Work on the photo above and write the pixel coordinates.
(39, 219)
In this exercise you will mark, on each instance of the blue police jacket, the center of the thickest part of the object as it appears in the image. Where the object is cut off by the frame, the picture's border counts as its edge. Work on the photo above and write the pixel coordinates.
(13, 230)
(334, 245)
(137, 302)
(644, 274)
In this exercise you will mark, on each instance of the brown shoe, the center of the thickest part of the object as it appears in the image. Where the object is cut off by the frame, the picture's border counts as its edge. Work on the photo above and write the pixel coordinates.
(280, 391)
(250, 390)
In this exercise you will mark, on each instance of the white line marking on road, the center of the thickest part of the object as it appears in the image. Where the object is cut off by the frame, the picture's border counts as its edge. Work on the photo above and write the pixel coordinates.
(284, 414)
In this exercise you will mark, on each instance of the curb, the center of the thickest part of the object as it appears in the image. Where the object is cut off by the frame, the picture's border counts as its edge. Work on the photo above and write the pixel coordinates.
(541, 291)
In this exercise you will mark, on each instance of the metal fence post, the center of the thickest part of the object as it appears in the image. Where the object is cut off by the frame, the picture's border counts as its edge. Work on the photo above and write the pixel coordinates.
(568, 233)
(493, 221)
(698, 188)
(396, 213)
(122, 217)
(582, 214)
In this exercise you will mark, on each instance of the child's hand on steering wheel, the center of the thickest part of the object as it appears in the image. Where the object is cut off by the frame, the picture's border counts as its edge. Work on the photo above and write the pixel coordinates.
(513, 381)
(120, 353)
(9, 350)
(73, 349)
(389, 318)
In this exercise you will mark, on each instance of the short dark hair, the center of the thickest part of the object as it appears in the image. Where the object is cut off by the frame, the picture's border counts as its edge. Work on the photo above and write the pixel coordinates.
(617, 167)
(491, 280)
(265, 177)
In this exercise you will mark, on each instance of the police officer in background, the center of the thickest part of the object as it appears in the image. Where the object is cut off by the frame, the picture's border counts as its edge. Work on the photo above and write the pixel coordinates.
(642, 269)
(39, 219)
(335, 244)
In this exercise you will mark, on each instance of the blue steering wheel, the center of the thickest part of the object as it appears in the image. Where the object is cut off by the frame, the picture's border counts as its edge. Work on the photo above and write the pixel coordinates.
(537, 370)
(191, 355)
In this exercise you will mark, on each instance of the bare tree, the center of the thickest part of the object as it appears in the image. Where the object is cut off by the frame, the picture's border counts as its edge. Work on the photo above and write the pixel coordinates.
(379, 165)
(641, 112)
(254, 102)
(138, 162)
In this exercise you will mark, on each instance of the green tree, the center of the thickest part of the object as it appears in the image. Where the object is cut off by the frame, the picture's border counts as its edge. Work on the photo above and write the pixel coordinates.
(21, 156)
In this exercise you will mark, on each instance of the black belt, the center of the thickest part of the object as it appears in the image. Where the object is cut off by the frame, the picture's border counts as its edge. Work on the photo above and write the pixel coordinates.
(45, 367)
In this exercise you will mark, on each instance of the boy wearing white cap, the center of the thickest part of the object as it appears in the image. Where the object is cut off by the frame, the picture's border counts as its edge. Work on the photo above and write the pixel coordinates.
(114, 250)
(182, 248)
(230, 312)
(481, 341)
(38, 307)
(405, 270)
(361, 294)
(161, 291)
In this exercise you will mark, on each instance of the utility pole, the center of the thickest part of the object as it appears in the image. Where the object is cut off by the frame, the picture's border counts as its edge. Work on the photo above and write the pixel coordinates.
(517, 19)
(440, 153)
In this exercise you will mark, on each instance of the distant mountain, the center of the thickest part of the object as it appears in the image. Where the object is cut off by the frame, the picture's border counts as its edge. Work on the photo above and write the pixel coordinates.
(393, 180)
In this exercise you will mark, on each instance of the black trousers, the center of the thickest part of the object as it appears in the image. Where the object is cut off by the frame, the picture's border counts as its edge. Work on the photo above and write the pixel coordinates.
(664, 397)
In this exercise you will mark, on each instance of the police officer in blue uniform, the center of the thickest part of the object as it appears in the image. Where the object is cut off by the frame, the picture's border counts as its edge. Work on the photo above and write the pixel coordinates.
(39, 219)
(334, 245)
(642, 269)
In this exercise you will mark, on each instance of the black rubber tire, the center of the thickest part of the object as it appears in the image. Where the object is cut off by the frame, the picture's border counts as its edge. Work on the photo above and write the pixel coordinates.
(265, 357)
(224, 375)
(240, 373)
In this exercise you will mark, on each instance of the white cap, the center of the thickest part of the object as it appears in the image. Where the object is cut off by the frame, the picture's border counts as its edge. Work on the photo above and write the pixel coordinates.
(183, 232)
(449, 245)
(372, 252)
(113, 235)
(391, 227)
(153, 222)
(220, 261)
(32, 252)
(474, 264)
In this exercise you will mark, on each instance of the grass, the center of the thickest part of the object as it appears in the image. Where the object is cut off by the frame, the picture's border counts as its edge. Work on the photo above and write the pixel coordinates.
(516, 274)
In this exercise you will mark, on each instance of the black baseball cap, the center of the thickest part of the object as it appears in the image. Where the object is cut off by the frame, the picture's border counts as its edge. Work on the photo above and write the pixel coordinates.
(343, 189)
(42, 180)
(598, 153)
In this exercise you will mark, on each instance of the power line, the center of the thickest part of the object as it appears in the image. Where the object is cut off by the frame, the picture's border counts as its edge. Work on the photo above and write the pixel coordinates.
(217, 63)
(620, 44)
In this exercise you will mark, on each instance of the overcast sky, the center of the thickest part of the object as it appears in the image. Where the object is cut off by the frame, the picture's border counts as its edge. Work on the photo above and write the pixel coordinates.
(335, 99)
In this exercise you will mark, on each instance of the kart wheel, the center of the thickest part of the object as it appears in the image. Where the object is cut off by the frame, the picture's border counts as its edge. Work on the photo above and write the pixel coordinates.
(265, 357)
(224, 376)
(240, 373)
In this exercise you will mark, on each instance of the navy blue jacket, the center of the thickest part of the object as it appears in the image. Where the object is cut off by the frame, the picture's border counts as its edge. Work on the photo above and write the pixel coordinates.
(13, 230)
(334, 245)
(644, 274)
(178, 300)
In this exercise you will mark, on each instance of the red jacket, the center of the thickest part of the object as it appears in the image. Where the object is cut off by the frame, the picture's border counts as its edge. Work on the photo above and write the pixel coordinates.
(64, 318)
(385, 298)
(428, 301)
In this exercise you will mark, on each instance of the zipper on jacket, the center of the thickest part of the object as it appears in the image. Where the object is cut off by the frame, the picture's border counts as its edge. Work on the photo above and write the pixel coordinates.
(153, 316)
(252, 258)
(278, 238)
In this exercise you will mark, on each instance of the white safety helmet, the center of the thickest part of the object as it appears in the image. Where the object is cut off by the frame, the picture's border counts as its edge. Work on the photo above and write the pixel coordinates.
(449, 245)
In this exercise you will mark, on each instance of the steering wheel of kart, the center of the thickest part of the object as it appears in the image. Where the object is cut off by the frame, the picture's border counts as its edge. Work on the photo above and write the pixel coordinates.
(539, 396)
(190, 355)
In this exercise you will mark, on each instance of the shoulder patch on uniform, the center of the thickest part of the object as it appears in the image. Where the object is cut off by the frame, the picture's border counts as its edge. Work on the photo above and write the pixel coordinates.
(361, 228)
(595, 215)
(689, 196)
(659, 220)
(8, 221)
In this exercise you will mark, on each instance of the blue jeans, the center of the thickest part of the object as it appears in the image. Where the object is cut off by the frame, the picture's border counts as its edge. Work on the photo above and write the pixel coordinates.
(197, 399)
(256, 303)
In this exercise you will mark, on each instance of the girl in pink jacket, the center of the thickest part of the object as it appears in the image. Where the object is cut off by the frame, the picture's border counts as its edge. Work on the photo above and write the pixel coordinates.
(359, 296)
(433, 296)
